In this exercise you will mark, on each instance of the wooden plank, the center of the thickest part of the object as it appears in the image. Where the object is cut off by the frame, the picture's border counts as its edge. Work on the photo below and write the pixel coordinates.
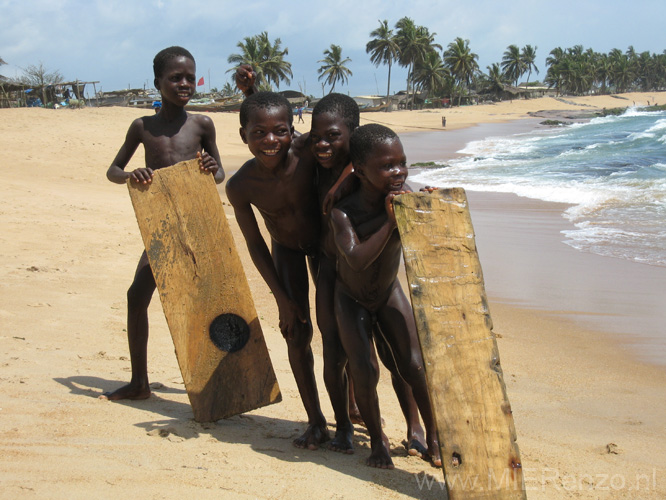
(201, 282)
(475, 425)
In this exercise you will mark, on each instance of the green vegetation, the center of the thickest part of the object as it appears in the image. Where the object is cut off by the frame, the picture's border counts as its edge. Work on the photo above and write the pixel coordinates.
(577, 71)
(334, 69)
(383, 49)
(266, 58)
(453, 74)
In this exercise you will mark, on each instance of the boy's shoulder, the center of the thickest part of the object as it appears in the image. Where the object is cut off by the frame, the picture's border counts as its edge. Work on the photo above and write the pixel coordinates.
(238, 180)
(348, 203)
(201, 119)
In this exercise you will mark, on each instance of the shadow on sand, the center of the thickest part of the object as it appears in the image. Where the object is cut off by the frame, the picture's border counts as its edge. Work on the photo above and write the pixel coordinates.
(266, 435)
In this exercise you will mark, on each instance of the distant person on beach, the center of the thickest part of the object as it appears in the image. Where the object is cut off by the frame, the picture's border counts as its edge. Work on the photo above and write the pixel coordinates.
(279, 184)
(157, 105)
(168, 137)
(369, 301)
(300, 115)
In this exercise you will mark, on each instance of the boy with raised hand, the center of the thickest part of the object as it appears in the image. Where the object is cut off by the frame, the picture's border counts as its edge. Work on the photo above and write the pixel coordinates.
(368, 298)
(168, 137)
(280, 185)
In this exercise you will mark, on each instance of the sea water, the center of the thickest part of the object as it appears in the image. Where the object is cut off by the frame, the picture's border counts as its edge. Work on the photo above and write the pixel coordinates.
(610, 170)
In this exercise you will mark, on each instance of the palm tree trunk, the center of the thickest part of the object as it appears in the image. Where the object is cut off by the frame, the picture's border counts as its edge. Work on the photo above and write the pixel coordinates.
(410, 78)
(388, 89)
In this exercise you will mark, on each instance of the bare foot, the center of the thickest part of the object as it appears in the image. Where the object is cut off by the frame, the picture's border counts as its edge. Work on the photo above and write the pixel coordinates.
(380, 457)
(342, 442)
(416, 448)
(128, 391)
(433, 453)
(313, 436)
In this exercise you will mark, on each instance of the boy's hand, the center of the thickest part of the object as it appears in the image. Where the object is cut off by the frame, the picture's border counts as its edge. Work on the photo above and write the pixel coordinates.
(290, 315)
(142, 175)
(207, 163)
(389, 204)
(246, 79)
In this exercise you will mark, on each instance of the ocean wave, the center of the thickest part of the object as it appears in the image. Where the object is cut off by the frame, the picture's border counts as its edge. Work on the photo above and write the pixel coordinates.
(610, 171)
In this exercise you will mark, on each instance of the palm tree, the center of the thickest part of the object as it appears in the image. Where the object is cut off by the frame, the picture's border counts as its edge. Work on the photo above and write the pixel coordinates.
(553, 61)
(334, 69)
(414, 43)
(266, 58)
(430, 75)
(602, 71)
(461, 62)
(512, 63)
(528, 56)
(228, 90)
(622, 73)
(383, 49)
(496, 80)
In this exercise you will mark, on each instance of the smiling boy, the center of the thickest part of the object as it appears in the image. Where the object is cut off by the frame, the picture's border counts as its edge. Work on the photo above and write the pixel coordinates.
(280, 185)
(369, 301)
(168, 137)
(334, 119)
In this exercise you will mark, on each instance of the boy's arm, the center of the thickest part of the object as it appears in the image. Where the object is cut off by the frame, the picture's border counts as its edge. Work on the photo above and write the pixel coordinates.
(210, 159)
(116, 172)
(360, 254)
(345, 184)
(289, 312)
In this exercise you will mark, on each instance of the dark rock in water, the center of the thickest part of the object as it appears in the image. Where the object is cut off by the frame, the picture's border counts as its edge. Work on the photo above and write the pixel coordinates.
(554, 123)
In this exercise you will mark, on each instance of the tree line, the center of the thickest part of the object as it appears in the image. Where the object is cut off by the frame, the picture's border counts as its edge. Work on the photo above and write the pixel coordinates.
(453, 71)
(444, 72)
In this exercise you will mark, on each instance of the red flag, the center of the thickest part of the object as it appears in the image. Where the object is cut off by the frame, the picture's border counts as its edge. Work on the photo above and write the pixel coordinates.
(201, 82)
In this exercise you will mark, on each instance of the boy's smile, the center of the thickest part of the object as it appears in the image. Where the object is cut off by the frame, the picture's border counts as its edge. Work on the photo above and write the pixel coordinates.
(268, 135)
(329, 138)
(177, 83)
(386, 167)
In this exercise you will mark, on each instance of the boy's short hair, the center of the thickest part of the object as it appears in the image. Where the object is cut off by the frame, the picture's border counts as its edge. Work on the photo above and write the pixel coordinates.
(165, 55)
(264, 100)
(365, 138)
(341, 105)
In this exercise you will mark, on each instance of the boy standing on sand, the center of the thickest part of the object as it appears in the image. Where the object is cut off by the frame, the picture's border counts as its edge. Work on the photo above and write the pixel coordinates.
(280, 185)
(368, 297)
(334, 119)
(168, 137)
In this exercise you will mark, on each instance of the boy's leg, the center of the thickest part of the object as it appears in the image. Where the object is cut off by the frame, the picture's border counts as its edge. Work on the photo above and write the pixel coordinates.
(354, 412)
(335, 358)
(355, 327)
(138, 299)
(399, 329)
(415, 442)
(292, 271)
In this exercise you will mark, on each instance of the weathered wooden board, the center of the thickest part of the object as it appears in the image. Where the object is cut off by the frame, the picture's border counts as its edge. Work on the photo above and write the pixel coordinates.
(476, 430)
(204, 292)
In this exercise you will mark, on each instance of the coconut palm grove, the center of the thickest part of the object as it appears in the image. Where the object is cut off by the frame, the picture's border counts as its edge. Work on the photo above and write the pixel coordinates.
(452, 71)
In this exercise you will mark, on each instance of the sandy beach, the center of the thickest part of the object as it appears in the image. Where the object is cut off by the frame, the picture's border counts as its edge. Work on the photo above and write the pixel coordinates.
(586, 383)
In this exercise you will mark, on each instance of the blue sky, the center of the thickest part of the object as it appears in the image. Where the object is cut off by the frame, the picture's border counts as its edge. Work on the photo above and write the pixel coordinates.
(114, 41)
